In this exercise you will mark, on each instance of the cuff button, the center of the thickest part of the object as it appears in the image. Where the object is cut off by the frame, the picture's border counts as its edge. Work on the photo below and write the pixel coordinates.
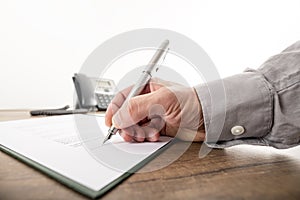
(237, 130)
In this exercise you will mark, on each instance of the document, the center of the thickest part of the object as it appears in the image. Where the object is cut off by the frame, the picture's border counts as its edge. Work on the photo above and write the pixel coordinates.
(69, 148)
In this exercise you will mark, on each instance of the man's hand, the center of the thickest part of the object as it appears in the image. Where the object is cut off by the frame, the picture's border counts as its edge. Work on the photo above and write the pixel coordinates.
(164, 108)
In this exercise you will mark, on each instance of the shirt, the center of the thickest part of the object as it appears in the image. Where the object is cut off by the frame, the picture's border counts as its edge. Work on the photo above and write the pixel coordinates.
(259, 106)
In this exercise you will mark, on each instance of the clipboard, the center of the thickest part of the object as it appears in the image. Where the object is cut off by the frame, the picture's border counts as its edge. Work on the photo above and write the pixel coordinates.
(69, 181)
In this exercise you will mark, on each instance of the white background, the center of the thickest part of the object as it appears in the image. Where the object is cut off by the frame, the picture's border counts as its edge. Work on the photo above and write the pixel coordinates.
(42, 43)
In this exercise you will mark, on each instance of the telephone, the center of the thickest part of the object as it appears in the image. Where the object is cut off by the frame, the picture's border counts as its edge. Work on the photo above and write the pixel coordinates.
(93, 93)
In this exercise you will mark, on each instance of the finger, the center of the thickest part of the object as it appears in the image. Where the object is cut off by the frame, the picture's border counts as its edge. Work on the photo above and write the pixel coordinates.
(115, 105)
(139, 134)
(150, 132)
(118, 101)
(126, 135)
(152, 135)
(134, 110)
(134, 132)
(157, 123)
(121, 96)
(109, 113)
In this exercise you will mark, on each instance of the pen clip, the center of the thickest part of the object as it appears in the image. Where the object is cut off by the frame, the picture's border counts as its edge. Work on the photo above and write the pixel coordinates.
(162, 60)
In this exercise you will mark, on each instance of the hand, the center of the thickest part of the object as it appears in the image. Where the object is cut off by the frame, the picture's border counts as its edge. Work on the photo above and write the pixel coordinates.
(164, 108)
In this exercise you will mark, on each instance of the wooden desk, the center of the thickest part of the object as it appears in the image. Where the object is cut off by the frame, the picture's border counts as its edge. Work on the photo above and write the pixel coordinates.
(241, 172)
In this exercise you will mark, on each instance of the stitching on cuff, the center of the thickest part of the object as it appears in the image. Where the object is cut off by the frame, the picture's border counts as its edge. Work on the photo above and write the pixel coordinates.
(270, 91)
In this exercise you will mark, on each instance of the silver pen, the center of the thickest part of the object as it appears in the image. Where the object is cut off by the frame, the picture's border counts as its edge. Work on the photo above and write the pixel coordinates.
(142, 81)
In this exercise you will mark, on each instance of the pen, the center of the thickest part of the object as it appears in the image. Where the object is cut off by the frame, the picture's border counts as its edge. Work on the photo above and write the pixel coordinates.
(142, 81)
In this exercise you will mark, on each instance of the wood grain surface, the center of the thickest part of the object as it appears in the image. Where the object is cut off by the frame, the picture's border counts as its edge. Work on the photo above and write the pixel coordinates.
(240, 172)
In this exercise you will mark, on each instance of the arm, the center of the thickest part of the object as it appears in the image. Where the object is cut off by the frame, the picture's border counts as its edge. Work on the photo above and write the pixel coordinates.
(262, 106)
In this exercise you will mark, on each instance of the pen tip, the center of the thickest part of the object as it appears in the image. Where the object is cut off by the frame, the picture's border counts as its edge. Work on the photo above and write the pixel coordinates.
(104, 141)
(111, 132)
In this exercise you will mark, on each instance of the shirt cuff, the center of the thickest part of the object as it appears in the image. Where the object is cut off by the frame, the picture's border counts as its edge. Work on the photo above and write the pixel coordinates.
(243, 115)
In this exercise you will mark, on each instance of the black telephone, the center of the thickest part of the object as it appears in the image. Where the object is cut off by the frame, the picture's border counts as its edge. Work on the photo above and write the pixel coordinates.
(93, 93)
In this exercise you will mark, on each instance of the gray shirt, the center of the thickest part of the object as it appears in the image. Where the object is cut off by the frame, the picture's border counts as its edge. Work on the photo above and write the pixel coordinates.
(260, 106)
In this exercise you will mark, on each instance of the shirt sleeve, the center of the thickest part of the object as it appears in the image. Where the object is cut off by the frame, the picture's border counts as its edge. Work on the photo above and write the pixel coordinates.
(260, 106)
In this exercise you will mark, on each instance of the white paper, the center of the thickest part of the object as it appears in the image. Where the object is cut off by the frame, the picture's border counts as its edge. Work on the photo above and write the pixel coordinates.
(55, 142)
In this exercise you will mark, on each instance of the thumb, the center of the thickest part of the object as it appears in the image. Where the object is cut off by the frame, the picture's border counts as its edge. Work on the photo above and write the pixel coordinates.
(133, 110)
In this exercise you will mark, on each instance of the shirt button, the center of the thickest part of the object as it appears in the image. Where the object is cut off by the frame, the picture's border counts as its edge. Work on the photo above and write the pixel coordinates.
(237, 130)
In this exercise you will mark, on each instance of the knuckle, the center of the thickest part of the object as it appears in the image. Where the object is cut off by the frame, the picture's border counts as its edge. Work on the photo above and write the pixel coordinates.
(116, 97)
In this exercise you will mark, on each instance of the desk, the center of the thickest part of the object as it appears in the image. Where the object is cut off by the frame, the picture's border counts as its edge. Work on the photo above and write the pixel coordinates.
(241, 172)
